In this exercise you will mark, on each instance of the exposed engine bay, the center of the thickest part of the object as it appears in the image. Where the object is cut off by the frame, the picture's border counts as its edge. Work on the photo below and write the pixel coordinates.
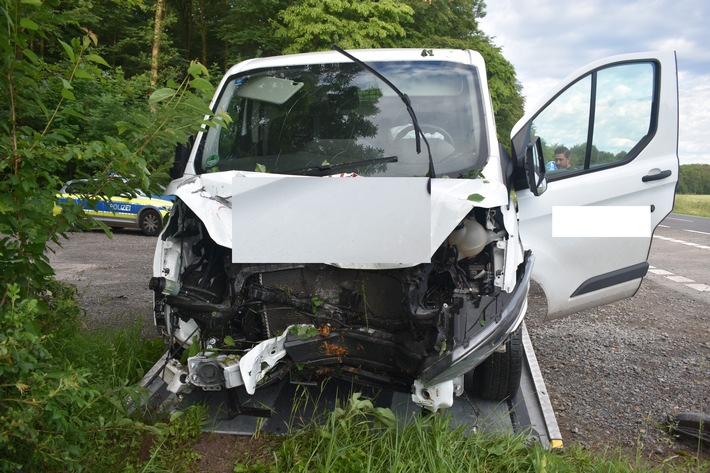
(378, 327)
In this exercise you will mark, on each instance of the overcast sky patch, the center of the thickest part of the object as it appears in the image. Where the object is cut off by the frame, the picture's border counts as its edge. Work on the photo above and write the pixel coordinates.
(547, 40)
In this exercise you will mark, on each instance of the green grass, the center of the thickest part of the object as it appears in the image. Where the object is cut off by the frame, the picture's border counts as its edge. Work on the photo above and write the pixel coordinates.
(63, 389)
(359, 438)
(698, 205)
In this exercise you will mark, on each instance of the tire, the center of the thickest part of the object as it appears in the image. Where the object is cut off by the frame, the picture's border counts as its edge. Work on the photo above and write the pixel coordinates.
(150, 222)
(498, 377)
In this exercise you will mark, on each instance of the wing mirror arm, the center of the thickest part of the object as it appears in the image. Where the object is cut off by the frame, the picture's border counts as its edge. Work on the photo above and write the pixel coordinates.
(182, 155)
(535, 167)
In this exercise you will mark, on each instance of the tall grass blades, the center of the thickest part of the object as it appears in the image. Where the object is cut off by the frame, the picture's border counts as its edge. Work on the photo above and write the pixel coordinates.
(62, 389)
(698, 205)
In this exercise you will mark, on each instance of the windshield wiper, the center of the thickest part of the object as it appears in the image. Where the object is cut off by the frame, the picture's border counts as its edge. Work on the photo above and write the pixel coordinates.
(407, 103)
(326, 169)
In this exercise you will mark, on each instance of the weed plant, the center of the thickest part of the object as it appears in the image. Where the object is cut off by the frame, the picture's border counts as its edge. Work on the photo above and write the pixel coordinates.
(62, 388)
(361, 438)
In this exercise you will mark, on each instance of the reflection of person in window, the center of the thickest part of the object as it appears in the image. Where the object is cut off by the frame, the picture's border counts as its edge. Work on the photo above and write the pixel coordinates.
(562, 158)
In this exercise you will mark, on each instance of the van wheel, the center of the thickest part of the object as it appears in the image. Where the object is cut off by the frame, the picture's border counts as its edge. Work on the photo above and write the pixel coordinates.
(150, 222)
(498, 377)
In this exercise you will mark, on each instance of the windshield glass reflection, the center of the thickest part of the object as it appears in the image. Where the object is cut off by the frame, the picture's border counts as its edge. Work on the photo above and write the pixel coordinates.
(293, 119)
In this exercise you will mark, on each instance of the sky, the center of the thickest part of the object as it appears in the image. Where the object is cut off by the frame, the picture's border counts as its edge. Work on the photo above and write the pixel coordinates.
(546, 40)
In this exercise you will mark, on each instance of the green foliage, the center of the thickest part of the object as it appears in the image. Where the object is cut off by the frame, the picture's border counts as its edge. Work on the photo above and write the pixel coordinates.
(362, 438)
(57, 394)
(694, 179)
(303, 331)
(56, 122)
(177, 112)
(254, 37)
(172, 451)
(30, 142)
(63, 390)
(313, 25)
(125, 29)
(454, 19)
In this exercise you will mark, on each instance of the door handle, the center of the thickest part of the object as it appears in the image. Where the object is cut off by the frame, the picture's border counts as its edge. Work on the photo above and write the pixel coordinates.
(657, 176)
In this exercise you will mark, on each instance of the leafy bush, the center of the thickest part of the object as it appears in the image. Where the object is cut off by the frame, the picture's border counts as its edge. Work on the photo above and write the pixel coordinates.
(56, 119)
(44, 400)
(57, 403)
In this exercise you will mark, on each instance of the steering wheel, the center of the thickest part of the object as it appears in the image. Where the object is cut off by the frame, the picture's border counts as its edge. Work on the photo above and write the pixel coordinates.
(426, 128)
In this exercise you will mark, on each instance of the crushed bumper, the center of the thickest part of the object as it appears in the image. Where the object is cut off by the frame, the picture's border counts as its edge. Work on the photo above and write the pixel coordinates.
(473, 351)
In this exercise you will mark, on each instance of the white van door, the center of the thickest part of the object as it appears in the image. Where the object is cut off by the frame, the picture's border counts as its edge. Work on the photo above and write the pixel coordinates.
(609, 140)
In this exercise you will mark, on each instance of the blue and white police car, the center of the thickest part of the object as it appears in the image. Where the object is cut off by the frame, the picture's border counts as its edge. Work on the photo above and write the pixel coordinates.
(123, 211)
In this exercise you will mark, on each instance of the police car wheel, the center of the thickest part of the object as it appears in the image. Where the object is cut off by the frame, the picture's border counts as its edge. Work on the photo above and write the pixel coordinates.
(150, 222)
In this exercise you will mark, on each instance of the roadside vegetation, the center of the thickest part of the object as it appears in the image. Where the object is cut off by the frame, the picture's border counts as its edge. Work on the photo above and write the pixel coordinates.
(693, 191)
(690, 204)
(694, 179)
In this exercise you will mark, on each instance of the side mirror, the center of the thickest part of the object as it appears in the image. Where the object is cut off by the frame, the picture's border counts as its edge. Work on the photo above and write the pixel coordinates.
(535, 167)
(182, 155)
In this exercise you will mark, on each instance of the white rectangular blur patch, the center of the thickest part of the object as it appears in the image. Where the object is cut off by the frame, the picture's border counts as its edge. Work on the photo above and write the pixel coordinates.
(338, 220)
(601, 221)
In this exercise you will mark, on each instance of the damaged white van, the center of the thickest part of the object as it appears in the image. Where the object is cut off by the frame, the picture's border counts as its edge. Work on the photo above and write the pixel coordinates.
(357, 218)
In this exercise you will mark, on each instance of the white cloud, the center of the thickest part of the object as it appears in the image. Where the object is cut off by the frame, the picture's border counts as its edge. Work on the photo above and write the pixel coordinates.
(548, 39)
(694, 120)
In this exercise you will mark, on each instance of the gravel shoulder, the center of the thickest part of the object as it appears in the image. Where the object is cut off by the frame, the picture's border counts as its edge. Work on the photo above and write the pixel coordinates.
(614, 374)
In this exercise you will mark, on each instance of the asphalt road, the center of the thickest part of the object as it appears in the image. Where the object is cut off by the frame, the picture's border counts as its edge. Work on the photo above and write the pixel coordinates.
(680, 255)
(688, 223)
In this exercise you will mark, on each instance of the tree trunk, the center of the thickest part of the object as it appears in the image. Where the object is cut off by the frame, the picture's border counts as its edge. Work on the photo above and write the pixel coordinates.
(156, 41)
(203, 31)
(226, 60)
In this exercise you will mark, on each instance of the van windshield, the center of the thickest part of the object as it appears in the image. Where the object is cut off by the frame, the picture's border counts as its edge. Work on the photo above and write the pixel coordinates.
(316, 117)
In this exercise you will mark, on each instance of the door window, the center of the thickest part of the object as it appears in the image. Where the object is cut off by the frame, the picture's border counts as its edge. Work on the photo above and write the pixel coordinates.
(602, 120)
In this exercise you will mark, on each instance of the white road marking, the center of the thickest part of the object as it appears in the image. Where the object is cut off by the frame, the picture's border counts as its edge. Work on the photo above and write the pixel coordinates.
(682, 242)
(679, 219)
(680, 279)
(699, 287)
(684, 229)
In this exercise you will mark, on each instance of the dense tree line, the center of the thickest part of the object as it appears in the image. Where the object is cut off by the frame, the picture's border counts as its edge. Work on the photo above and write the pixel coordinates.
(220, 33)
(694, 179)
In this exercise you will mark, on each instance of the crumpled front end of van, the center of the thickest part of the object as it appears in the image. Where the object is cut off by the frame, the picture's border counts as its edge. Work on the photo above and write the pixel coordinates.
(404, 283)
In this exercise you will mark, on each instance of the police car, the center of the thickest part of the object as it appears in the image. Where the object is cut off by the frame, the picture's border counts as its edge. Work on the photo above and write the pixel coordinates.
(138, 211)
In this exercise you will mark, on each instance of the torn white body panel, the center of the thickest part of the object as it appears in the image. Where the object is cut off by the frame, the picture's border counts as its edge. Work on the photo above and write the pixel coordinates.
(364, 223)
